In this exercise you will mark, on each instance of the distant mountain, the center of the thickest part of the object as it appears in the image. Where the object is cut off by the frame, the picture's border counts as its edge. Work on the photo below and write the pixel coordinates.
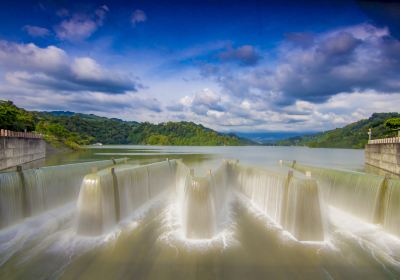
(354, 135)
(61, 113)
(269, 137)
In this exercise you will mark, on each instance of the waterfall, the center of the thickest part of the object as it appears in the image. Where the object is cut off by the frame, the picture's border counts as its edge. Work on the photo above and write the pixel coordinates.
(304, 214)
(372, 198)
(11, 205)
(112, 194)
(291, 201)
(264, 188)
(353, 192)
(30, 192)
(391, 206)
(203, 201)
(199, 213)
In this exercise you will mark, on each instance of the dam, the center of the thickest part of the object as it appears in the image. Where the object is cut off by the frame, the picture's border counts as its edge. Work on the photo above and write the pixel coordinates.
(170, 219)
(17, 148)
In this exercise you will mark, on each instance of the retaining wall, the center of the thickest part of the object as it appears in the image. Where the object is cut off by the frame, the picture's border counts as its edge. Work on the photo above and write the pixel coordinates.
(19, 150)
(385, 156)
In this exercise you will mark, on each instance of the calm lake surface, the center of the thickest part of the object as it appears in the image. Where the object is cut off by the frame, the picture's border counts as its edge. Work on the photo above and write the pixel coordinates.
(267, 156)
(149, 245)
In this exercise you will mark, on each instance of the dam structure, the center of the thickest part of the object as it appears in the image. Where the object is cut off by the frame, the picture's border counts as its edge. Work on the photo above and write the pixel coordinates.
(107, 197)
(116, 217)
(372, 198)
(17, 148)
(384, 154)
(26, 193)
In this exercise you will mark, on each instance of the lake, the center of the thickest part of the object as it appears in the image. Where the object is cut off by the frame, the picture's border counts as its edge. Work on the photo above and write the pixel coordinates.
(197, 156)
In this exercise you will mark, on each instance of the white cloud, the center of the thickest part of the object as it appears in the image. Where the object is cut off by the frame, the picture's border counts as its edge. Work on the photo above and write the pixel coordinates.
(36, 31)
(81, 26)
(51, 67)
(138, 16)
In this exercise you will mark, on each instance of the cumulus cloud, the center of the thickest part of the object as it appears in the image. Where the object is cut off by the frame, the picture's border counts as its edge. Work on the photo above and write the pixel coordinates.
(36, 31)
(231, 113)
(130, 104)
(80, 25)
(138, 16)
(51, 67)
(356, 58)
(244, 55)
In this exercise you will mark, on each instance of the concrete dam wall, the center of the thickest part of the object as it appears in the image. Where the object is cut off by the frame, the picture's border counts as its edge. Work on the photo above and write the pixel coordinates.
(385, 156)
(20, 147)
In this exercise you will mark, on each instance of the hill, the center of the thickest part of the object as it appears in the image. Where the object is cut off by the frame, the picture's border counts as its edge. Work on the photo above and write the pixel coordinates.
(75, 129)
(269, 137)
(183, 134)
(353, 135)
(99, 129)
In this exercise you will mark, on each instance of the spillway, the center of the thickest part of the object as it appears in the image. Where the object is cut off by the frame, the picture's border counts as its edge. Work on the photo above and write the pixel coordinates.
(109, 195)
(372, 198)
(177, 219)
(293, 202)
(126, 216)
(203, 202)
(29, 192)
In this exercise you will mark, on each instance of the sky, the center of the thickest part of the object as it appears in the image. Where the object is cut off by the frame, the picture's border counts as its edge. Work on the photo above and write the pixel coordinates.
(241, 66)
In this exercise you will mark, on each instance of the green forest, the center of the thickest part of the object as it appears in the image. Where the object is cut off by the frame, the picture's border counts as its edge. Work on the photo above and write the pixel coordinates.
(74, 129)
(354, 135)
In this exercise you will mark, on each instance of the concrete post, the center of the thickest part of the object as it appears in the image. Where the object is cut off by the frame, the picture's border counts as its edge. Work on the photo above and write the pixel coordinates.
(116, 195)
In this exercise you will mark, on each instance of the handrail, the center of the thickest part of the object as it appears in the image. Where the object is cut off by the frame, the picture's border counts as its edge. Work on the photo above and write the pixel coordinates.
(19, 134)
(391, 140)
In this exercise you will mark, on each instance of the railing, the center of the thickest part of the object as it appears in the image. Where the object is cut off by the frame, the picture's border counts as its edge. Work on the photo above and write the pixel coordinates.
(9, 133)
(391, 140)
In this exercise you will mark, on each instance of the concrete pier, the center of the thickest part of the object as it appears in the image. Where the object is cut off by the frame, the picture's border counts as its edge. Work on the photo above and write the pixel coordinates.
(384, 154)
(20, 147)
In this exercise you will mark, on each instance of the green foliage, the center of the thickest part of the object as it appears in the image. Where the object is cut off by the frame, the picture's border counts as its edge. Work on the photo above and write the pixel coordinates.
(392, 124)
(57, 134)
(354, 135)
(73, 130)
(180, 133)
(100, 129)
(14, 118)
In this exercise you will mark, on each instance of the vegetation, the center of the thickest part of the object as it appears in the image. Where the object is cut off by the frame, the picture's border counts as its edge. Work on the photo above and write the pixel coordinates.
(181, 133)
(354, 135)
(393, 124)
(99, 129)
(17, 119)
(73, 130)
(14, 118)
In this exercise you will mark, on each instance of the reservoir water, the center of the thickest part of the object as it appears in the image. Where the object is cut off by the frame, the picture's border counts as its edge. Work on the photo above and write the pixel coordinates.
(208, 227)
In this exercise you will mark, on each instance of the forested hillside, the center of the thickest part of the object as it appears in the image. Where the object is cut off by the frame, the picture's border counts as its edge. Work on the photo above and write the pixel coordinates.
(354, 135)
(181, 133)
(73, 129)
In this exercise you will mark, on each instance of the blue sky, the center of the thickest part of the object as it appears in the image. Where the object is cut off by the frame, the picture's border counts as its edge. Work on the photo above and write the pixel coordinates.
(230, 65)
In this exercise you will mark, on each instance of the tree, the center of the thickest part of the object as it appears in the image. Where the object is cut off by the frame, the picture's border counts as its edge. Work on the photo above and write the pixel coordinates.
(14, 118)
(393, 124)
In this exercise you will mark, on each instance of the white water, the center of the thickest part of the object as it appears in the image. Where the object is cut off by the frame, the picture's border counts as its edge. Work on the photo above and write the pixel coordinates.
(242, 244)
(27, 193)
(105, 197)
(372, 198)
